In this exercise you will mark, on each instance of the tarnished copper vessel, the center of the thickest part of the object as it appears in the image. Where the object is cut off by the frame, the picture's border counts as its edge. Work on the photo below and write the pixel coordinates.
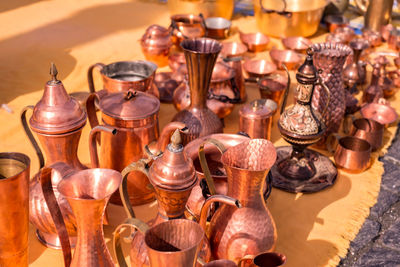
(270, 259)
(87, 192)
(186, 26)
(14, 209)
(335, 21)
(381, 112)
(156, 43)
(217, 27)
(375, 90)
(255, 118)
(170, 243)
(255, 42)
(273, 86)
(258, 68)
(135, 117)
(124, 75)
(355, 73)
(298, 169)
(218, 174)
(201, 55)
(235, 232)
(289, 58)
(57, 120)
(330, 58)
(297, 43)
(166, 85)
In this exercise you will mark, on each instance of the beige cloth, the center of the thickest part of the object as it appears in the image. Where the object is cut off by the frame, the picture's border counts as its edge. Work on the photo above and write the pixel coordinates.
(313, 229)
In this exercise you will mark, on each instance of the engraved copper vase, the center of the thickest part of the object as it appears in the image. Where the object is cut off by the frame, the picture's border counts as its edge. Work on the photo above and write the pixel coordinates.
(330, 58)
(235, 232)
(355, 73)
(14, 197)
(201, 55)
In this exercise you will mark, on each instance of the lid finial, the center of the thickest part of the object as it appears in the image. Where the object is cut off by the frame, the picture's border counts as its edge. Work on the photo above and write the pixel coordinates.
(176, 140)
(53, 72)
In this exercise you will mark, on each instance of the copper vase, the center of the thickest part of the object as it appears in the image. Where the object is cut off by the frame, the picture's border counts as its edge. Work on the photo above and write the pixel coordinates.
(330, 58)
(201, 55)
(235, 232)
(87, 192)
(14, 224)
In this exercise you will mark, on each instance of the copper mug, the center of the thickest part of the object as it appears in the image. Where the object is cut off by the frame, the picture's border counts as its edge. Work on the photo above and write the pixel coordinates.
(266, 259)
(366, 129)
(14, 224)
(352, 154)
(171, 243)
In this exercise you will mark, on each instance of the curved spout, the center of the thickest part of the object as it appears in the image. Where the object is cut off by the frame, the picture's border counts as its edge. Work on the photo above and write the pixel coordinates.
(216, 198)
(166, 133)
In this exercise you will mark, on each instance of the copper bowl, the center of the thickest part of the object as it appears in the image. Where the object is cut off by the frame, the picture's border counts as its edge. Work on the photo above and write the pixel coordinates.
(166, 85)
(217, 27)
(382, 113)
(233, 49)
(176, 60)
(258, 68)
(256, 42)
(273, 86)
(335, 21)
(298, 44)
(288, 57)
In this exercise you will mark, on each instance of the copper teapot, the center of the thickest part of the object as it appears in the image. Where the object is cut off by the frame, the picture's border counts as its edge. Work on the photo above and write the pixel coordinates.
(156, 43)
(135, 116)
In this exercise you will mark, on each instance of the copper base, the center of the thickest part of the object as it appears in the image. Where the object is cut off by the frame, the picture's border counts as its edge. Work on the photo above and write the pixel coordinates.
(52, 240)
(324, 177)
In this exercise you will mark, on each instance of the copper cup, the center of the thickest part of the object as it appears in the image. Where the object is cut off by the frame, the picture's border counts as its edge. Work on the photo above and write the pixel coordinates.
(272, 87)
(368, 130)
(217, 27)
(288, 57)
(352, 154)
(298, 44)
(255, 42)
(258, 68)
(266, 259)
(14, 196)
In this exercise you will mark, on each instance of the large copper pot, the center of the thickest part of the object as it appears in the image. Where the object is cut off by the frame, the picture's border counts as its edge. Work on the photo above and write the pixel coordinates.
(209, 8)
(186, 26)
(135, 117)
(124, 75)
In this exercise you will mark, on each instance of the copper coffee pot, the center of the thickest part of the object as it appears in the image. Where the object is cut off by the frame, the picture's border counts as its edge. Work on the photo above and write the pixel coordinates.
(200, 55)
(156, 43)
(124, 75)
(298, 169)
(135, 116)
(87, 192)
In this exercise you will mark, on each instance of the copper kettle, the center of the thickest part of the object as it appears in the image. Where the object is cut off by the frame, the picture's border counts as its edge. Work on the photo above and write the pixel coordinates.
(135, 116)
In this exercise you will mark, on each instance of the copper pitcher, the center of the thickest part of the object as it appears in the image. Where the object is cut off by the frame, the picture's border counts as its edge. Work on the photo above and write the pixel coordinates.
(201, 55)
(235, 232)
(124, 75)
(134, 115)
(14, 225)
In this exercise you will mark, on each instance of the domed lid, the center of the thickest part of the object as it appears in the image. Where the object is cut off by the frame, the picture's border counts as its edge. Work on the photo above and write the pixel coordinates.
(258, 109)
(56, 112)
(307, 73)
(173, 170)
(156, 35)
(129, 105)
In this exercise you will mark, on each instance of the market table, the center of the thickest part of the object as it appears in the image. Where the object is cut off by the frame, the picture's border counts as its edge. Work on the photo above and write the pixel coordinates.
(313, 229)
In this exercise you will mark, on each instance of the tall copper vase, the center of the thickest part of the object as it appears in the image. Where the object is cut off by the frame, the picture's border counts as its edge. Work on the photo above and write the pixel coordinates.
(201, 55)
(330, 58)
(88, 193)
(14, 226)
(235, 232)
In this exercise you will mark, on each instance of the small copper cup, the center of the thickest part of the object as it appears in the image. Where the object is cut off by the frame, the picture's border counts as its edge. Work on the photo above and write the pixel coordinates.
(256, 42)
(217, 27)
(368, 130)
(266, 259)
(258, 68)
(352, 154)
(288, 57)
(381, 112)
(298, 44)
(272, 87)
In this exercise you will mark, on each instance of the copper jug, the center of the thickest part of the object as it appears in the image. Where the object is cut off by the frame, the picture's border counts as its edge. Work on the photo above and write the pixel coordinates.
(87, 192)
(14, 208)
(201, 55)
(135, 116)
(57, 121)
(124, 75)
(234, 232)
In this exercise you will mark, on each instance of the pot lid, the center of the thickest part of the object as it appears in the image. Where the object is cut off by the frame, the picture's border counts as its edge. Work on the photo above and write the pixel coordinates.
(174, 170)
(56, 112)
(258, 109)
(129, 105)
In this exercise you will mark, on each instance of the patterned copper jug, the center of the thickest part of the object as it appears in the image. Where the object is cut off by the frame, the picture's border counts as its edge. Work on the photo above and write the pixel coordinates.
(235, 232)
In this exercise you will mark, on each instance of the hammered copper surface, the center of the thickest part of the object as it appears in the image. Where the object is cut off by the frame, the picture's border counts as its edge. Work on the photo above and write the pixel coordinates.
(255, 42)
(14, 209)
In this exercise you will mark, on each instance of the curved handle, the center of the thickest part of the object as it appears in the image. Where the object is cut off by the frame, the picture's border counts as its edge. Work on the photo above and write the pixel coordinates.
(100, 66)
(225, 98)
(328, 92)
(140, 165)
(330, 144)
(245, 259)
(132, 223)
(284, 13)
(204, 165)
(55, 212)
(347, 122)
(30, 136)
(93, 137)
(175, 27)
(286, 90)
(91, 110)
(269, 188)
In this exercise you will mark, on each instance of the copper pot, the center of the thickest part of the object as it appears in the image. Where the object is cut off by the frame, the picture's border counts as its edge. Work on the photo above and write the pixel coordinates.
(124, 75)
(186, 26)
(156, 43)
(266, 259)
(217, 27)
(135, 117)
(176, 60)
(14, 209)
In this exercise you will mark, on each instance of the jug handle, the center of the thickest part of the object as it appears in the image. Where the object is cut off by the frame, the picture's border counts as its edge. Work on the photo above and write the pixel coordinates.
(55, 212)
(31, 137)
(140, 165)
(204, 165)
(93, 137)
(286, 90)
(330, 143)
(244, 259)
(328, 92)
(347, 122)
(99, 66)
(284, 13)
(91, 110)
(134, 223)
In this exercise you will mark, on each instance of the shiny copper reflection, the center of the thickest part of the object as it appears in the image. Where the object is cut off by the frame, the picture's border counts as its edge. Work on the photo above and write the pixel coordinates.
(233, 49)
(353, 154)
(288, 57)
(256, 42)
(382, 113)
(297, 43)
(273, 86)
(217, 27)
(370, 131)
(258, 67)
